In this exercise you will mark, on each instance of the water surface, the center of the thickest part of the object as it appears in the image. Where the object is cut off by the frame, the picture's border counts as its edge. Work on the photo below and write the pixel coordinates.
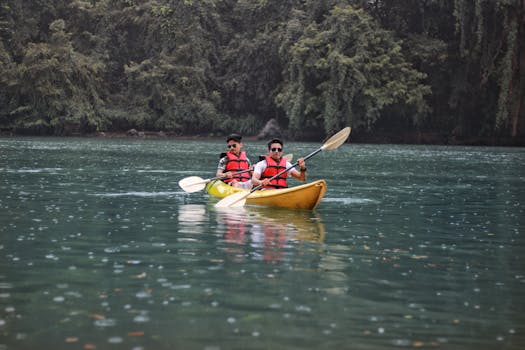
(412, 247)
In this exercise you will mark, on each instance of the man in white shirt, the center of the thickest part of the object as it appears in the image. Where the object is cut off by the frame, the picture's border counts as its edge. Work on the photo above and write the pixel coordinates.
(273, 164)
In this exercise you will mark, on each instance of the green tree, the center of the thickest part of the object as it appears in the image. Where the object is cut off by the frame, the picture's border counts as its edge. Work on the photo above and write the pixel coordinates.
(58, 89)
(161, 62)
(7, 81)
(426, 30)
(250, 66)
(345, 70)
(212, 66)
(9, 14)
(492, 46)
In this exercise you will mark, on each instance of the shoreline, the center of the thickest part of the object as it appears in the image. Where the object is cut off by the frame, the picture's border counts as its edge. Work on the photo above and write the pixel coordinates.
(410, 138)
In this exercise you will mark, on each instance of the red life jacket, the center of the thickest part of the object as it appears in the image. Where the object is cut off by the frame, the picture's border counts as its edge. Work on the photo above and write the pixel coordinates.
(235, 164)
(273, 168)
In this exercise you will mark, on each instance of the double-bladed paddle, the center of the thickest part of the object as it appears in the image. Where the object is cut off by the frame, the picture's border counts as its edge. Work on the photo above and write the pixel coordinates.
(238, 199)
(195, 183)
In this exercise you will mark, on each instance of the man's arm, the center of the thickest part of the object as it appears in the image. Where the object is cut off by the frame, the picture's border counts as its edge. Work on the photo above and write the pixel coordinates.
(257, 171)
(301, 173)
(221, 167)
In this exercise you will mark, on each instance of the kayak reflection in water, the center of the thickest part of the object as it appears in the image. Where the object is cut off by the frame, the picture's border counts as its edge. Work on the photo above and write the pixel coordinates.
(268, 234)
(192, 218)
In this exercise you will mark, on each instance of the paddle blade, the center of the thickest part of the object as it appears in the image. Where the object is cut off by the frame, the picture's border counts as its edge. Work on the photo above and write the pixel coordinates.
(337, 140)
(289, 157)
(235, 200)
(192, 184)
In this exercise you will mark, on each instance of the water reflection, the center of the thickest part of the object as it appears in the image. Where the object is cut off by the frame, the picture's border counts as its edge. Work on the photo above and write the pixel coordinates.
(267, 234)
(191, 218)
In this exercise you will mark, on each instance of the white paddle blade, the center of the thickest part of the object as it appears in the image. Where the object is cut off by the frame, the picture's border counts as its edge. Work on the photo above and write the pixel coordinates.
(289, 157)
(337, 140)
(192, 184)
(235, 200)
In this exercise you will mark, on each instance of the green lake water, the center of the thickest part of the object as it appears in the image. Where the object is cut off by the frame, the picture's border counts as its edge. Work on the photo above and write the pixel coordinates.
(412, 247)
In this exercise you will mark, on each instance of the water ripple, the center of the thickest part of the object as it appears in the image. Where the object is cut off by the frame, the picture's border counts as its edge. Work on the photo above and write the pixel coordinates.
(349, 200)
(138, 194)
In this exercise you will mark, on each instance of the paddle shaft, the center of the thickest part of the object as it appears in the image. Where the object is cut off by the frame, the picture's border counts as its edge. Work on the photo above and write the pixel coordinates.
(225, 177)
(195, 182)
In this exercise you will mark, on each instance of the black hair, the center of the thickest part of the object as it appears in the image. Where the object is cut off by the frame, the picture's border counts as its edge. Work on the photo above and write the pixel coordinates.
(275, 141)
(234, 137)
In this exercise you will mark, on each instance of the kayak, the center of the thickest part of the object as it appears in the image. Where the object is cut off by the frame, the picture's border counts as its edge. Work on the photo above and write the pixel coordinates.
(306, 196)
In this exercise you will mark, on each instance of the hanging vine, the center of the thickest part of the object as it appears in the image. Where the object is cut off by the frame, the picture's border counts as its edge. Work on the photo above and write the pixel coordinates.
(489, 40)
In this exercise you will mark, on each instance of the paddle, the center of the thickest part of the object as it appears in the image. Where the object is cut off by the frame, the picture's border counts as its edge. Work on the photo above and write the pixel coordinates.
(238, 199)
(195, 183)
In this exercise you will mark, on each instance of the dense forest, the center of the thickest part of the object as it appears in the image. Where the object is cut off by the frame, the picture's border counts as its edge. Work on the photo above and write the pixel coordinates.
(443, 71)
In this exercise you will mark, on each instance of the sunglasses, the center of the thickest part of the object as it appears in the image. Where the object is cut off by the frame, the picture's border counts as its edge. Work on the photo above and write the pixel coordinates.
(276, 149)
(234, 146)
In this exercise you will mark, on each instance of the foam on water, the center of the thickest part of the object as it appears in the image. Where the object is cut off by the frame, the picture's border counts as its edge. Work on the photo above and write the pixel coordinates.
(138, 194)
(349, 200)
(157, 171)
(29, 170)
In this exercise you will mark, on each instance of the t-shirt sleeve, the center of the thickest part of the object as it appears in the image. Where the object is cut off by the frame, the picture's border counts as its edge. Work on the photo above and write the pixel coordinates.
(259, 167)
(289, 165)
(222, 163)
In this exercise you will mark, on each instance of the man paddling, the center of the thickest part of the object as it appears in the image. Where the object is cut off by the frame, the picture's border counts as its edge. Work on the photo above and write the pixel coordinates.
(233, 162)
(274, 163)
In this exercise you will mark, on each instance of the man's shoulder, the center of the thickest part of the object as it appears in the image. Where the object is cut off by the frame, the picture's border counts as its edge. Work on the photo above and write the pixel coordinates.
(260, 164)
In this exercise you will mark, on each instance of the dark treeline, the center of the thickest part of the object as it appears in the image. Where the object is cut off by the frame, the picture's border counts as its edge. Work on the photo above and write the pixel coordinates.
(446, 71)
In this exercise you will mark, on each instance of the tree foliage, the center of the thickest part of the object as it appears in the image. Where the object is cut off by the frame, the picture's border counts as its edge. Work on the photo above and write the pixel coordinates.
(492, 43)
(55, 79)
(213, 66)
(344, 71)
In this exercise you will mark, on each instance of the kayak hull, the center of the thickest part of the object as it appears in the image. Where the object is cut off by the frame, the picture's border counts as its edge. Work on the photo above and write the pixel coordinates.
(306, 196)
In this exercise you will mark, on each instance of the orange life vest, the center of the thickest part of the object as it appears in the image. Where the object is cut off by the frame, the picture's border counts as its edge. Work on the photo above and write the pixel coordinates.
(235, 164)
(273, 168)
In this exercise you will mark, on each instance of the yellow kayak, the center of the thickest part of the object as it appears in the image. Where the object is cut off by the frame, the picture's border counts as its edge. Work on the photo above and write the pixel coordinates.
(306, 196)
